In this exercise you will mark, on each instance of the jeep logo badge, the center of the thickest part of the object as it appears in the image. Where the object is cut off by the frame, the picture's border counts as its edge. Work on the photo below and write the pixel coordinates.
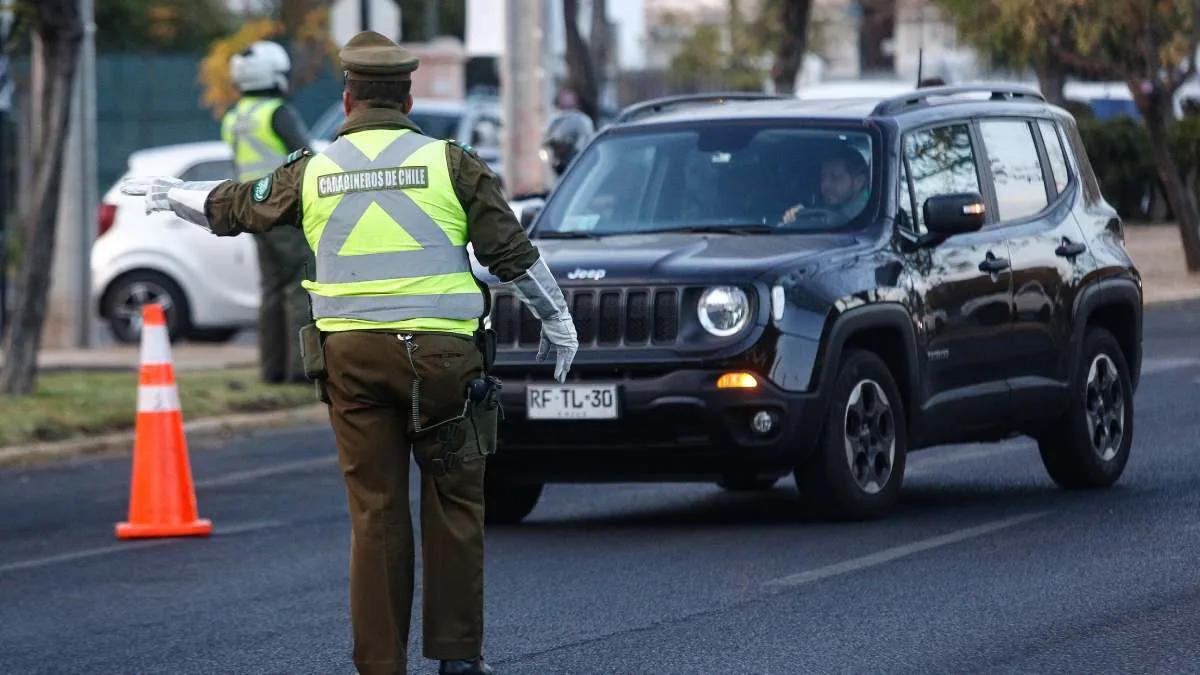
(580, 273)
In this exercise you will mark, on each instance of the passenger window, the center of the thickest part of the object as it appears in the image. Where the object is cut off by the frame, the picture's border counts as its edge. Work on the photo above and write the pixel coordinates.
(1058, 157)
(205, 171)
(1016, 168)
(942, 162)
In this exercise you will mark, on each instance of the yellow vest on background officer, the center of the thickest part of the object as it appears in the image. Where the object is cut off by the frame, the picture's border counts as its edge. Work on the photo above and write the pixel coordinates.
(261, 129)
(398, 341)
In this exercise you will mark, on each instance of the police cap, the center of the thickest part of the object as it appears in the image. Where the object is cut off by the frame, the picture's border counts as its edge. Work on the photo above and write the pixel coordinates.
(372, 56)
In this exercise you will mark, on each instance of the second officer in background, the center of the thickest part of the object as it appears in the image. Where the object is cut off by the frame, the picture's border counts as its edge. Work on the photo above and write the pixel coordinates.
(262, 129)
(389, 213)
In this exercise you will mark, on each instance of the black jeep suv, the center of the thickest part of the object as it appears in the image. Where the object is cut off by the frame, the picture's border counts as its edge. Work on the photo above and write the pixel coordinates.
(819, 288)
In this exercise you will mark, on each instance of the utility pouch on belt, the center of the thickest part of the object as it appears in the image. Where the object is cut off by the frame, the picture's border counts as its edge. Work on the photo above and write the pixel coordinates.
(472, 436)
(312, 352)
(485, 340)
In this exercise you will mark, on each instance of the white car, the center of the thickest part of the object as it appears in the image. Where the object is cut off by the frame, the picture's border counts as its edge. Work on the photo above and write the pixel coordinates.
(208, 285)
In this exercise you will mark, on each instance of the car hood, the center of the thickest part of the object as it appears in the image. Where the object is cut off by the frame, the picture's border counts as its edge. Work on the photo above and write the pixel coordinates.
(677, 258)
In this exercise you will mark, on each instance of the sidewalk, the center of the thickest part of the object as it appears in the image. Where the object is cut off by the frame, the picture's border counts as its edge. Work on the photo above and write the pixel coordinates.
(127, 357)
(1155, 248)
(1158, 253)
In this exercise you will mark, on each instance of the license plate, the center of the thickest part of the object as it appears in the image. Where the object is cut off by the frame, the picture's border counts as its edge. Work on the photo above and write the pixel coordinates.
(571, 402)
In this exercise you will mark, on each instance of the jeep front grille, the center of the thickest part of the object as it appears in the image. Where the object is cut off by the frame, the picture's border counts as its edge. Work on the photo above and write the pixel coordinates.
(604, 317)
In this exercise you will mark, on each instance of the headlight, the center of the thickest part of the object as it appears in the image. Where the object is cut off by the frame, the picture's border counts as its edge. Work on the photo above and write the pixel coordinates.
(724, 310)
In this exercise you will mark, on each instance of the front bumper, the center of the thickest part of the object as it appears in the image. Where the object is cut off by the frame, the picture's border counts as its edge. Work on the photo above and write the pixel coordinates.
(672, 426)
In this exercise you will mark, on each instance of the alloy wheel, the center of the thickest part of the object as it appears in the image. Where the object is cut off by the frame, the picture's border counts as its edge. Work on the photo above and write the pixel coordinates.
(870, 436)
(1104, 404)
(127, 307)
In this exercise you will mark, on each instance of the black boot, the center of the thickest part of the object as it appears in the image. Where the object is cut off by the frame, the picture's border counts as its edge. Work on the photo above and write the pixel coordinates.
(475, 666)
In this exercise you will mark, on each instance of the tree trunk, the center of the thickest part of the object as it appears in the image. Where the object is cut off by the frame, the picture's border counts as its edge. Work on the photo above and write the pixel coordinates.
(60, 29)
(1156, 110)
(581, 72)
(789, 55)
(1052, 79)
(598, 49)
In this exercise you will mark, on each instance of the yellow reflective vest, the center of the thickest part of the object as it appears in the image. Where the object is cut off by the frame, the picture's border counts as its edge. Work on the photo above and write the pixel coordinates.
(389, 236)
(257, 149)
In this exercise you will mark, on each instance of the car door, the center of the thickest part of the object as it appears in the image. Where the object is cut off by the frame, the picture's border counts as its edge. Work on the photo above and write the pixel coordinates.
(228, 265)
(963, 288)
(1028, 168)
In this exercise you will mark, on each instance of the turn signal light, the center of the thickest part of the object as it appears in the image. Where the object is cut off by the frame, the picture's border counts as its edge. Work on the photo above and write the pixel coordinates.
(973, 209)
(737, 381)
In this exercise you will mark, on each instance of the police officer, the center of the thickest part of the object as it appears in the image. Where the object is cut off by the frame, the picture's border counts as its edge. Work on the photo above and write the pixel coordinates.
(389, 213)
(566, 135)
(261, 129)
(565, 138)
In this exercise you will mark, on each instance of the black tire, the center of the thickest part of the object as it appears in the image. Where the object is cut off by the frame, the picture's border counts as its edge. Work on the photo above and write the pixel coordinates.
(213, 335)
(747, 483)
(124, 299)
(827, 485)
(1075, 455)
(507, 504)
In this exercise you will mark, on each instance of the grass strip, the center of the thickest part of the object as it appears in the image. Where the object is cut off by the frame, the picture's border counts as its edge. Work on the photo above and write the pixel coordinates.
(73, 404)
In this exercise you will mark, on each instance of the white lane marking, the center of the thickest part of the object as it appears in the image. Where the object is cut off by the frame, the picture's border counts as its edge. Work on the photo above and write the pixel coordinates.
(275, 469)
(132, 546)
(1154, 366)
(918, 465)
(888, 555)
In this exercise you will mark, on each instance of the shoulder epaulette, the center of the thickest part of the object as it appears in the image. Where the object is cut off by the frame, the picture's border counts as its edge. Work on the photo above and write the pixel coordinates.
(295, 156)
(466, 147)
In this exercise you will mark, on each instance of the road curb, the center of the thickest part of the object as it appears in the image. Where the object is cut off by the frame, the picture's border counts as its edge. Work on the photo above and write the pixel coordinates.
(211, 428)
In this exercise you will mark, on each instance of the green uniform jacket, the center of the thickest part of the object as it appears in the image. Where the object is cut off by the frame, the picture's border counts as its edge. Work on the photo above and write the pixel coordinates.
(496, 236)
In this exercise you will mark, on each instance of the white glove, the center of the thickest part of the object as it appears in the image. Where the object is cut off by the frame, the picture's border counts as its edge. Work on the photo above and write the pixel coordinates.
(538, 290)
(560, 332)
(155, 188)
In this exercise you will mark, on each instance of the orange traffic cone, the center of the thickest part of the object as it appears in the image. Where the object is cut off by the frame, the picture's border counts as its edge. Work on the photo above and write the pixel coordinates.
(162, 499)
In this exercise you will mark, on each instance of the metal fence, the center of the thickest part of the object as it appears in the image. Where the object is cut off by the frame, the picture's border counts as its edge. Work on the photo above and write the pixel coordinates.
(144, 101)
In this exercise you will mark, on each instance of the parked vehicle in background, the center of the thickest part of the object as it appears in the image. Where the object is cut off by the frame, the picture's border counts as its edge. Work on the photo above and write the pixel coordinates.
(207, 285)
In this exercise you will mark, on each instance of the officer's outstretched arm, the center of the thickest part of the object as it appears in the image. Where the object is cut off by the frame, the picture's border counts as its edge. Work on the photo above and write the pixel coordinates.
(225, 207)
(164, 193)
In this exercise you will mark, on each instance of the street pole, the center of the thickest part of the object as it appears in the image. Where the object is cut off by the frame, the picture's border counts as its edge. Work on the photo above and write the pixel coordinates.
(523, 89)
(6, 96)
(88, 180)
(431, 19)
(364, 14)
(69, 315)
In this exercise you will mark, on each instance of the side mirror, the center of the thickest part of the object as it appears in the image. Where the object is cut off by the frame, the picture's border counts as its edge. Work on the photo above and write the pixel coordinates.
(528, 214)
(951, 214)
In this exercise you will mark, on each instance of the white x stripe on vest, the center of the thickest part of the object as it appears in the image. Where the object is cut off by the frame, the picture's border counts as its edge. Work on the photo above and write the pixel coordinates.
(243, 132)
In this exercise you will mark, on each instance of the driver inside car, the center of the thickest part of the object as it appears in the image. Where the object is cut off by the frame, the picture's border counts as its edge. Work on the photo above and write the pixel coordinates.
(844, 187)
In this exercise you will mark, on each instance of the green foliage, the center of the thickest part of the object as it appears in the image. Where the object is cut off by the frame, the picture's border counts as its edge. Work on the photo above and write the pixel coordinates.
(709, 54)
(1006, 43)
(1119, 149)
(160, 25)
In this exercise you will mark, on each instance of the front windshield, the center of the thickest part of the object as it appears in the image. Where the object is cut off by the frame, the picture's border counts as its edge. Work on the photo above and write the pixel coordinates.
(733, 176)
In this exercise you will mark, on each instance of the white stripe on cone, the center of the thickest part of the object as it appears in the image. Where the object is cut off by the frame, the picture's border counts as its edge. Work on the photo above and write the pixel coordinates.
(154, 399)
(156, 345)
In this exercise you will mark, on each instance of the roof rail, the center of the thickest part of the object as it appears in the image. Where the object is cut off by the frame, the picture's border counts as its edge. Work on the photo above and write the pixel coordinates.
(665, 103)
(920, 97)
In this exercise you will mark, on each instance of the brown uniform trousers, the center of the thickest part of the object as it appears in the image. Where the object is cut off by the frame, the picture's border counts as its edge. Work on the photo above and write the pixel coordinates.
(370, 384)
(283, 254)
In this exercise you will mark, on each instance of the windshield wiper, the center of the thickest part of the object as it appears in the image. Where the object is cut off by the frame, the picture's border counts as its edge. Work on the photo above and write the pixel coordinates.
(715, 229)
(564, 235)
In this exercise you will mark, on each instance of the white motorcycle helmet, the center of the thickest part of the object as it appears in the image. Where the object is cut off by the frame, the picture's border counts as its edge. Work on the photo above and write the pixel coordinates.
(264, 65)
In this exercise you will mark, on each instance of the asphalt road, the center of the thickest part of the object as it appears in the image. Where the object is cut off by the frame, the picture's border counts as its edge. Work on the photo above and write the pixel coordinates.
(985, 567)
